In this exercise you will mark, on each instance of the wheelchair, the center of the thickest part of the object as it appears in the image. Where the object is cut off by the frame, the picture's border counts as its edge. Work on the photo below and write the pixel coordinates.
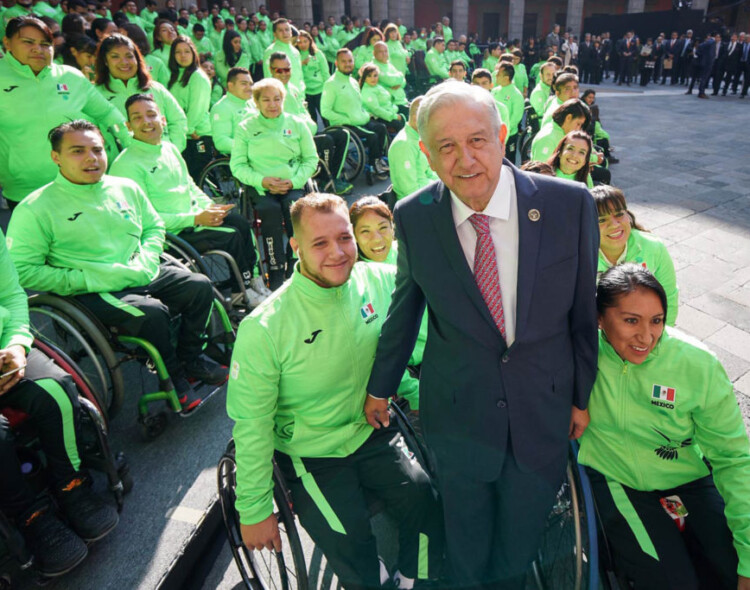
(355, 157)
(93, 449)
(567, 558)
(101, 352)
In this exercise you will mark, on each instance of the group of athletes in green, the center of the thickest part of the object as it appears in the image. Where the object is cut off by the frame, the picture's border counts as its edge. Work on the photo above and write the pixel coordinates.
(666, 448)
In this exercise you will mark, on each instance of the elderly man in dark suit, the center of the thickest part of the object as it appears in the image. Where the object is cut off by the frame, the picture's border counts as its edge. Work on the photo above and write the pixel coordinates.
(707, 53)
(505, 262)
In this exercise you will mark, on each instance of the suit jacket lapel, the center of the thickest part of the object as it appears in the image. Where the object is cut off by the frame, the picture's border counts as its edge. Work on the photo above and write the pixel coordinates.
(529, 235)
(442, 219)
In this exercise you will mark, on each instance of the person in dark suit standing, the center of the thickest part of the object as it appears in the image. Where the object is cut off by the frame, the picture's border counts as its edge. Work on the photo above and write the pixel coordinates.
(626, 50)
(671, 48)
(717, 69)
(731, 65)
(586, 57)
(707, 53)
(606, 54)
(685, 57)
(505, 262)
(745, 67)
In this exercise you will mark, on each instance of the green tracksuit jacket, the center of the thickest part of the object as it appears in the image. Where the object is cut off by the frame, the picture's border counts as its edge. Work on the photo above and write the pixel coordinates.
(282, 147)
(157, 68)
(549, 108)
(546, 141)
(222, 67)
(294, 104)
(315, 72)
(149, 20)
(32, 105)
(71, 238)
(298, 376)
(204, 46)
(226, 115)
(539, 97)
(14, 307)
(119, 92)
(513, 99)
(293, 54)
(397, 55)
(419, 44)
(161, 172)
(436, 64)
(520, 78)
(410, 170)
(651, 424)
(341, 102)
(330, 49)
(650, 252)
(377, 101)
(362, 55)
(560, 174)
(195, 100)
(393, 81)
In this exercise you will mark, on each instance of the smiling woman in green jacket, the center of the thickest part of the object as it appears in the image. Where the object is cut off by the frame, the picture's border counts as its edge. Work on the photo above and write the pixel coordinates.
(666, 449)
(570, 159)
(39, 95)
(192, 89)
(621, 239)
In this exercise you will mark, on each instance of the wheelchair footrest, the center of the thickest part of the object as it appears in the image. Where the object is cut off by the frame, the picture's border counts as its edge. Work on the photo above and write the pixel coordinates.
(214, 389)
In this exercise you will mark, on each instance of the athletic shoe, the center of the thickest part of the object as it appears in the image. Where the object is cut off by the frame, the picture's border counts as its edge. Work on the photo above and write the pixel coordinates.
(88, 514)
(381, 166)
(189, 398)
(613, 160)
(55, 547)
(254, 298)
(259, 286)
(342, 187)
(206, 370)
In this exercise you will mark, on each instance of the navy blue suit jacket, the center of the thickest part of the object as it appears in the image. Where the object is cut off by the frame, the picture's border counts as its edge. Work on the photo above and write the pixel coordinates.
(707, 54)
(472, 387)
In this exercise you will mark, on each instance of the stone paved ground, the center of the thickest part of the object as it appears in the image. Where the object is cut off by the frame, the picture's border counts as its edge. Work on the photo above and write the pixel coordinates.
(685, 169)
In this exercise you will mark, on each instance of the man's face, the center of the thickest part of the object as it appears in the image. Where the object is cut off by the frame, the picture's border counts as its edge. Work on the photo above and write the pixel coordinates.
(325, 245)
(31, 48)
(242, 86)
(556, 29)
(458, 73)
(219, 25)
(733, 38)
(130, 7)
(81, 159)
(439, 47)
(380, 53)
(587, 37)
(281, 69)
(345, 63)
(284, 32)
(146, 122)
(483, 82)
(547, 74)
(262, 25)
(464, 151)
(446, 21)
(199, 34)
(451, 45)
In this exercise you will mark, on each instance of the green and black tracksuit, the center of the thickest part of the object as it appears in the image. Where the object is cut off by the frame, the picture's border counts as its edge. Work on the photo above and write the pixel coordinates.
(655, 428)
(46, 393)
(163, 175)
(297, 391)
(281, 147)
(341, 104)
(102, 244)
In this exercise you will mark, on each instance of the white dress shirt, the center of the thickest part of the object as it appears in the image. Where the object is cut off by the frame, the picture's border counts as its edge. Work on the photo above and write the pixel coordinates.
(503, 211)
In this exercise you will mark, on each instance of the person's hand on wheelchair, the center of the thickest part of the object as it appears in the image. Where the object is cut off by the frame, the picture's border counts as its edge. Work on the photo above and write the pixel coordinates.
(262, 535)
(13, 361)
(376, 412)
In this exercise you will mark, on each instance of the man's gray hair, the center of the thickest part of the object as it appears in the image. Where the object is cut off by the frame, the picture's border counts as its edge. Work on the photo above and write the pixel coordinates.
(450, 93)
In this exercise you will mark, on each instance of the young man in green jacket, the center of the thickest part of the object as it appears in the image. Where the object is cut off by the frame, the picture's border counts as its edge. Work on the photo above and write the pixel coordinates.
(99, 239)
(410, 170)
(435, 60)
(282, 33)
(541, 91)
(233, 108)
(341, 104)
(296, 392)
(507, 93)
(159, 169)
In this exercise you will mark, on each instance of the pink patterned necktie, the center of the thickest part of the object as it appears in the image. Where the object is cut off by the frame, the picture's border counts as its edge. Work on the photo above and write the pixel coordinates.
(485, 269)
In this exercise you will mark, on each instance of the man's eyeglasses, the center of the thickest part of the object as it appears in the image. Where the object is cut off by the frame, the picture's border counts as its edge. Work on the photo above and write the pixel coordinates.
(282, 70)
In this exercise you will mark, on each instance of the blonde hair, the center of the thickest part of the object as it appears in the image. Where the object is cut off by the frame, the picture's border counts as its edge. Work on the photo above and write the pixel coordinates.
(261, 85)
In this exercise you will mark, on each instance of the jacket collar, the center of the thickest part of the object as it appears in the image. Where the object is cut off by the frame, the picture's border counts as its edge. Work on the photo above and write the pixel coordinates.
(25, 70)
(309, 288)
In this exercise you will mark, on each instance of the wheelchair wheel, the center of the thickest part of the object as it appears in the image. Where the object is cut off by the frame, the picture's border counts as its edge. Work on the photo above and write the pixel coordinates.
(262, 570)
(68, 327)
(217, 181)
(355, 158)
(568, 556)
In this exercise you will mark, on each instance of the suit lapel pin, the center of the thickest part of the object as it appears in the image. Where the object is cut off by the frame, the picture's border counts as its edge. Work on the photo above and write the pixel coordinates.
(534, 214)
